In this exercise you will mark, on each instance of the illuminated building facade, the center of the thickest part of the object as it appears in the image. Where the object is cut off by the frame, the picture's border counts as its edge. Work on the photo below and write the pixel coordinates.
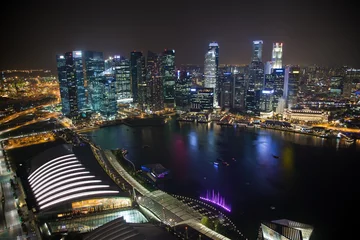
(201, 99)
(94, 66)
(154, 82)
(284, 229)
(279, 80)
(182, 90)
(141, 82)
(336, 86)
(226, 90)
(168, 76)
(239, 92)
(351, 82)
(211, 66)
(134, 56)
(62, 78)
(306, 115)
(257, 51)
(108, 98)
(254, 87)
(268, 67)
(293, 81)
(266, 100)
(123, 79)
(277, 52)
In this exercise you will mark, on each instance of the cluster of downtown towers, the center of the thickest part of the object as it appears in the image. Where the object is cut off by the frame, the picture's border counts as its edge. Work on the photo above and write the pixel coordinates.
(88, 83)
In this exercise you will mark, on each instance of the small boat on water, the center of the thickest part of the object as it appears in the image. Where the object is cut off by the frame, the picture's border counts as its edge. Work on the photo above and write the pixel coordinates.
(216, 163)
(219, 160)
(146, 146)
(275, 156)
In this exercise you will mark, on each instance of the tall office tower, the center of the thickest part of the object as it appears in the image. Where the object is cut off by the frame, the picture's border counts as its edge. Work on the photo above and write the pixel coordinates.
(122, 78)
(79, 74)
(108, 97)
(254, 88)
(142, 85)
(257, 51)
(154, 82)
(134, 56)
(94, 66)
(266, 103)
(269, 81)
(109, 63)
(211, 66)
(168, 76)
(73, 98)
(277, 55)
(238, 92)
(279, 79)
(350, 83)
(226, 93)
(293, 86)
(62, 78)
(268, 67)
(182, 90)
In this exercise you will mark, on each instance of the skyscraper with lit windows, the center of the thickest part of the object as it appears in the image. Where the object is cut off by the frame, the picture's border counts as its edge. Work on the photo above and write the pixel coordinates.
(122, 78)
(154, 82)
(62, 78)
(134, 56)
(277, 52)
(167, 73)
(211, 66)
(257, 50)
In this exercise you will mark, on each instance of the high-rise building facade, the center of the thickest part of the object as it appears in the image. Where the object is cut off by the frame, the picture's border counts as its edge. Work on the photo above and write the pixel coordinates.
(154, 82)
(62, 78)
(182, 90)
(352, 77)
(93, 67)
(108, 97)
(257, 51)
(277, 52)
(122, 79)
(239, 92)
(141, 82)
(211, 67)
(279, 80)
(293, 86)
(168, 76)
(134, 56)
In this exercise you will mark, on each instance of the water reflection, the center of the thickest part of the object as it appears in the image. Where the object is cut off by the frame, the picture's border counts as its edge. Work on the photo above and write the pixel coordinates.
(288, 159)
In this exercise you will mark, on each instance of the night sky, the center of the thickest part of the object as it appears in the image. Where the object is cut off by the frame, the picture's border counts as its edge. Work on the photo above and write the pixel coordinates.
(312, 31)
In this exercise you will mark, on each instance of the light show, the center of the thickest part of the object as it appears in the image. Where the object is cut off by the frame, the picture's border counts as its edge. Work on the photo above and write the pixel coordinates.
(216, 199)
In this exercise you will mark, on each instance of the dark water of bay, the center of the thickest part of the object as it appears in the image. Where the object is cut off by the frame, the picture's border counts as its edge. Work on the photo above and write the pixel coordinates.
(313, 181)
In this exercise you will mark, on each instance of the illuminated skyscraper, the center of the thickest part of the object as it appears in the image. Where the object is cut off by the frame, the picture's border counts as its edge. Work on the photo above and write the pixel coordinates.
(268, 67)
(167, 74)
(141, 81)
(211, 66)
(71, 81)
(154, 82)
(108, 97)
(182, 90)
(94, 66)
(122, 77)
(257, 51)
(277, 55)
(279, 80)
(62, 78)
(293, 86)
(134, 56)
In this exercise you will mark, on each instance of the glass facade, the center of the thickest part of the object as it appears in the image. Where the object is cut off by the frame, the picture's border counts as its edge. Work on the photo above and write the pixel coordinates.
(94, 66)
(71, 80)
(239, 92)
(167, 71)
(134, 56)
(93, 221)
(79, 75)
(108, 97)
(293, 86)
(123, 79)
(211, 66)
(182, 90)
(62, 78)
(277, 55)
(141, 82)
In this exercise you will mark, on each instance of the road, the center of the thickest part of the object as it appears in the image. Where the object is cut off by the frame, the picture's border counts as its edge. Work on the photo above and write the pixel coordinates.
(350, 130)
(10, 226)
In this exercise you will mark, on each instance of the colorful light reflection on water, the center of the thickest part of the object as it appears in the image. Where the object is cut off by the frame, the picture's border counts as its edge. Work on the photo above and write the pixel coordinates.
(216, 199)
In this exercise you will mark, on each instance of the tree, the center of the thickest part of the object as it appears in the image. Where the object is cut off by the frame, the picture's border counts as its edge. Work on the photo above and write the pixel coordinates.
(208, 223)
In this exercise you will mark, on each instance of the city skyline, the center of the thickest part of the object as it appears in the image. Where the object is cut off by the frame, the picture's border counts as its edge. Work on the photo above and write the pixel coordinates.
(328, 41)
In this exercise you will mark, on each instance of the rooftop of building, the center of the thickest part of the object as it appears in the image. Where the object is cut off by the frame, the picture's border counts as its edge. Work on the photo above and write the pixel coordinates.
(65, 174)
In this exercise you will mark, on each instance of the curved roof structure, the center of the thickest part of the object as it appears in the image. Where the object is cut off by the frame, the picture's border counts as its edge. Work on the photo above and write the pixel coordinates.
(65, 178)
